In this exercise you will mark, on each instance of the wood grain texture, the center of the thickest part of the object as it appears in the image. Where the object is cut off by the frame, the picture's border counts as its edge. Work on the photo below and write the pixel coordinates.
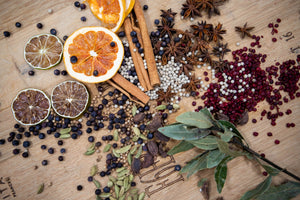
(61, 178)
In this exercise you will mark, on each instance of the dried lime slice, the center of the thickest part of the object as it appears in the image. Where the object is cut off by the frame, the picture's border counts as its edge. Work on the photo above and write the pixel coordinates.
(43, 51)
(69, 99)
(31, 106)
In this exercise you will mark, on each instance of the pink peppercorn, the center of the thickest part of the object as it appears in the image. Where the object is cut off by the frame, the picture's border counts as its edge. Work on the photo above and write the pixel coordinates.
(269, 134)
(255, 134)
(254, 121)
(274, 40)
(276, 141)
(263, 155)
(194, 103)
(265, 173)
(278, 20)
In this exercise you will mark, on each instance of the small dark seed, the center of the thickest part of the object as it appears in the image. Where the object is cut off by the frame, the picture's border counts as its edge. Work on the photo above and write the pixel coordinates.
(6, 34)
(83, 18)
(53, 31)
(39, 25)
(18, 24)
(145, 7)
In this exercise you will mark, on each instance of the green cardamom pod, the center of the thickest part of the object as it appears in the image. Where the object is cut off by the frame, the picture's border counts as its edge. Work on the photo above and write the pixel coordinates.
(116, 135)
(161, 107)
(115, 153)
(105, 195)
(41, 188)
(92, 147)
(142, 196)
(64, 136)
(94, 170)
(122, 197)
(134, 148)
(134, 109)
(110, 184)
(120, 183)
(117, 191)
(120, 169)
(98, 198)
(135, 138)
(136, 131)
(65, 131)
(97, 183)
(124, 149)
(112, 198)
(143, 137)
(121, 192)
(107, 148)
(129, 159)
(131, 178)
(113, 179)
(133, 191)
(89, 152)
(139, 153)
(129, 198)
(124, 172)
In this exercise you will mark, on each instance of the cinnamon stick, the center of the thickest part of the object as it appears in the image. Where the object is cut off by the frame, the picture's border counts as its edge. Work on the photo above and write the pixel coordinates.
(148, 51)
(130, 88)
(137, 59)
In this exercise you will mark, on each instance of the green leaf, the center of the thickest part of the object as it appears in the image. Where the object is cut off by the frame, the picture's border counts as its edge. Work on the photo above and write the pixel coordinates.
(272, 171)
(196, 164)
(221, 173)
(260, 189)
(208, 143)
(198, 119)
(214, 158)
(229, 125)
(208, 114)
(285, 191)
(183, 132)
(227, 135)
(182, 146)
(224, 147)
(201, 182)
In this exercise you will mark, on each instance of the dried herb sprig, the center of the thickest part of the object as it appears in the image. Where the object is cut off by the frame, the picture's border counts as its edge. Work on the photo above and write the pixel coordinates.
(222, 142)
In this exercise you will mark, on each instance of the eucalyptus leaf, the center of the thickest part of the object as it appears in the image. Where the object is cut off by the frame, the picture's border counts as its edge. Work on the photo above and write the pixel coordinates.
(208, 143)
(198, 119)
(207, 113)
(259, 190)
(195, 165)
(284, 191)
(227, 135)
(214, 158)
(224, 147)
(221, 173)
(182, 146)
(183, 132)
(272, 171)
(229, 125)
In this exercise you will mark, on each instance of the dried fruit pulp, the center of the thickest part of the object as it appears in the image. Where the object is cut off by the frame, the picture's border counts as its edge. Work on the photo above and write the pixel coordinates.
(94, 52)
(31, 106)
(43, 51)
(69, 99)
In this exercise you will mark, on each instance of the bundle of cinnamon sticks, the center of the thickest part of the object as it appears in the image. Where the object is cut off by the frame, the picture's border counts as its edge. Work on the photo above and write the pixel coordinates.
(147, 78)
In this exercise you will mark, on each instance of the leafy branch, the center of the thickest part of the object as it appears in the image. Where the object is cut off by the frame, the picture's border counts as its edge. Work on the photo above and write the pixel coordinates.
(222, 142)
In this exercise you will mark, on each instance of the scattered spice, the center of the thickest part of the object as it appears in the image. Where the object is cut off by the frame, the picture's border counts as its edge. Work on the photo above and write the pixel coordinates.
(244, 31)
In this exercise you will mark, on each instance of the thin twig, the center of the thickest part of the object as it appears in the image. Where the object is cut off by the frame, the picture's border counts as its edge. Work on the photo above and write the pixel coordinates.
(265, 159)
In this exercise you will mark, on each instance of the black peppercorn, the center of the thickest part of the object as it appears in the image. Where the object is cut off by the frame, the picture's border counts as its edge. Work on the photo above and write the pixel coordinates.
(25, 154)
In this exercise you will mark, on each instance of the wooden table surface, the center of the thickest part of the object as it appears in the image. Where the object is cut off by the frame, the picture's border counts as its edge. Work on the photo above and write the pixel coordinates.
(61, 178)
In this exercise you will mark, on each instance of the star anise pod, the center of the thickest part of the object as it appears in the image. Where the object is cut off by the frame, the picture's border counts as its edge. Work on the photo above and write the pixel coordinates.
(165, 95)
(213, 10)
(220, 66)
(173, 49)
(204, 4)
(186, 68)
(186, 36)
(156, 47)
(200, 45)
(206, 58)
(202, 29)
(168, 14)
(220, 50)
(245, 31)
(217, 32)
(166, 27)
(192, 85)
(190, 9)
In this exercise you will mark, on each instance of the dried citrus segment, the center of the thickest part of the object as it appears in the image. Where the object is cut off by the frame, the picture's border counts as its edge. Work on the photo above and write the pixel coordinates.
(129, 6)
(43, 51)
(31, 106)
(93, 54)
(110, 12)
(69, 99)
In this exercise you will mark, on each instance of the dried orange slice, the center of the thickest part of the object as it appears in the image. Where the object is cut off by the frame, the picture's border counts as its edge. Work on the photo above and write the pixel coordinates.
(43, 51)
(93, 54)
(110, 12)
(31, 106)
(69, 99)
(129, 6)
